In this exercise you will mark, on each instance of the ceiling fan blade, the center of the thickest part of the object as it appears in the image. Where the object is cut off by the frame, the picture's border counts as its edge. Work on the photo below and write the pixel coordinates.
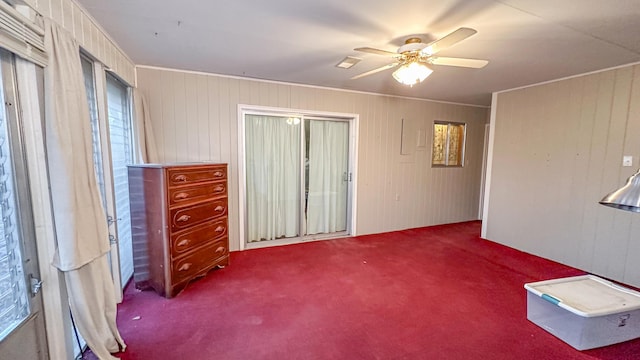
(376, 51)
(450, 61)
(370, 72)
(448, 41)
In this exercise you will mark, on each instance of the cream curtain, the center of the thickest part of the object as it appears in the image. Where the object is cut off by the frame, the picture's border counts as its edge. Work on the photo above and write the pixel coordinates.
(328, 168)
(145, 140)
(273, 177)
(79, 218)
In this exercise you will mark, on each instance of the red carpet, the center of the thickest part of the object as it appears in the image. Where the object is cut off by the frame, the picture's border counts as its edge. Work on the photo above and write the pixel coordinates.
(430, 293)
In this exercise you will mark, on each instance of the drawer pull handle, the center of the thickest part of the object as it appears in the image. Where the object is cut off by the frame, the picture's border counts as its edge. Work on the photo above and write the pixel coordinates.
(184, 218)
(219, 229)
(219, 189)
(184, 242)
(184, 267)
(180, 178)
(219, 208)
(218, 174)
(182, 195)
(220, 249)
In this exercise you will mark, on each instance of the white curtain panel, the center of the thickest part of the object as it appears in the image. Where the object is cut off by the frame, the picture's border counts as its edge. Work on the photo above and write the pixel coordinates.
(273, 177)
(143, 133)
(80, 221)
(328, 167)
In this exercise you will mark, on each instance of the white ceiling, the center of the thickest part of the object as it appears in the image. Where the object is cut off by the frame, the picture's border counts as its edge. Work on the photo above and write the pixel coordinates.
(301, 41)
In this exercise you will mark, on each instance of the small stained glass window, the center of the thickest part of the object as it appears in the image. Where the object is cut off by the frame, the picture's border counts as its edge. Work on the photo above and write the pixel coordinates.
(448, 144)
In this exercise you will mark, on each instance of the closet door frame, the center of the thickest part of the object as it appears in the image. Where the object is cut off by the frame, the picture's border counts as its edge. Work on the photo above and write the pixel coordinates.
(100, 88)
(353, 120)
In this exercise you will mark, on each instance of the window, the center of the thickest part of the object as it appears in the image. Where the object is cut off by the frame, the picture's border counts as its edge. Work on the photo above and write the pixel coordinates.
(448, 144)
(90, 87)
(18, 305)
(14, 302)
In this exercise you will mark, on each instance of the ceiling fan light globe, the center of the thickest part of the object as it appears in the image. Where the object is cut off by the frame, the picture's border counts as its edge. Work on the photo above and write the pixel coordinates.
(412, 73)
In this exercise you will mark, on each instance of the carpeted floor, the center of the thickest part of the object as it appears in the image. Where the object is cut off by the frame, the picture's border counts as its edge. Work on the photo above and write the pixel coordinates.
(430, 293)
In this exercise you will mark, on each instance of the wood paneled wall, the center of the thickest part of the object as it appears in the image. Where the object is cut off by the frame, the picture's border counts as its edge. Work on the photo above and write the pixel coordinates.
(557, 151)
(97, 43)
(88, 33)
(195, 118)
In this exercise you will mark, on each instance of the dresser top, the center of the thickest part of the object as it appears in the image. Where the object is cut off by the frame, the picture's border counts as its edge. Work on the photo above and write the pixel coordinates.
(176, 164)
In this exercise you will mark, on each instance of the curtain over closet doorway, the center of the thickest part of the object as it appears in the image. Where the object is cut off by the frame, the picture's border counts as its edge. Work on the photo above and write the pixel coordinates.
(273, 171)
(297, 176)
(328, 174)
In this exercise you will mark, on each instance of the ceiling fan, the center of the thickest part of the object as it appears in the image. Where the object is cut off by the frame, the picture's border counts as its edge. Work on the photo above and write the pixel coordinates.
(414, 57)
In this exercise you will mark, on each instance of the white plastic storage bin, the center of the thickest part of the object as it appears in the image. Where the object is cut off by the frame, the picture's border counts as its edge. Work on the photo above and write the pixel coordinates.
(584, 311)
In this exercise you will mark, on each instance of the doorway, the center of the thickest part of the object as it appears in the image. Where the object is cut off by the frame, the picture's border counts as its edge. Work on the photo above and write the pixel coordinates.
(22, 332)
(110, 113)
(298, 176)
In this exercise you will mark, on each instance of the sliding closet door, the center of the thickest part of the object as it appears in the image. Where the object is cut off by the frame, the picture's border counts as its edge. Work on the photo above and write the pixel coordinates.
(272, 162)
(297, 176)
(328, 176)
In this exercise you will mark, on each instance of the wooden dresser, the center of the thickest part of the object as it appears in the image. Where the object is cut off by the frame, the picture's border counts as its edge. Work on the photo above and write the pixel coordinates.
(179, 223)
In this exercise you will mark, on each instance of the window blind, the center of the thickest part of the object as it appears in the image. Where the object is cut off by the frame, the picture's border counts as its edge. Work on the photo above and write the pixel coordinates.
(21, 36)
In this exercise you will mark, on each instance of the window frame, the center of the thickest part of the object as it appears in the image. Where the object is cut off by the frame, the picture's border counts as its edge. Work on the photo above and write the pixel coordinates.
(462, 150)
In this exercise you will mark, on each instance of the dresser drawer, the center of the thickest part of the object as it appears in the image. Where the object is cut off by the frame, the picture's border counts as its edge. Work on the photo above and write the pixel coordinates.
(185, 176)
(202, 259)
(186, 241)
(183, 217)
(185, 195)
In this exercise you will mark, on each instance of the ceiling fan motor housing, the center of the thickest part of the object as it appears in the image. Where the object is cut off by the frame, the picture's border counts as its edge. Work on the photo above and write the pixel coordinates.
(411, 45)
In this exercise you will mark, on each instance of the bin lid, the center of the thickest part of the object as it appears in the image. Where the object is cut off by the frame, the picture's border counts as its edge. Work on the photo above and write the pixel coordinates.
(587, 295)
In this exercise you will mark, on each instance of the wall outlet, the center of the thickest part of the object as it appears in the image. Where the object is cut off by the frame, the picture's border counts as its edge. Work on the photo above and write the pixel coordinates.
(627, 160)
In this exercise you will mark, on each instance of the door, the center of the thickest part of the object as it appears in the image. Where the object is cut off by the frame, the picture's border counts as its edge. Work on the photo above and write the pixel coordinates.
(109, 107)
(297, 177)
(22, 332)
(327, 176)
(120, 141)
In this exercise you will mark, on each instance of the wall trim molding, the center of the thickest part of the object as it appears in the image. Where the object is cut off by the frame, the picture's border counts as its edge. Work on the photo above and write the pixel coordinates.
(568, 77)
(297, 84)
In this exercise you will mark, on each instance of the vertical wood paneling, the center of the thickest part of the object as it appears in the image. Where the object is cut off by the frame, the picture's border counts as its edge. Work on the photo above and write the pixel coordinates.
(169, 122)
(632, 265)
(77, 25)
(215, 98)
(195, 116)
(67, 15)
(226, 123)
(578, 164)
(284, 96)
(87, 38)
(153, 93)
(56, 10)
(82, 27)
(610, 173)
(613, 245)
(558, 150)
(95, 41)
(182, 122)
(43, 7)
(594, 154)
(202, 117)
(228, 136)
(191, 118)
(632, 146)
